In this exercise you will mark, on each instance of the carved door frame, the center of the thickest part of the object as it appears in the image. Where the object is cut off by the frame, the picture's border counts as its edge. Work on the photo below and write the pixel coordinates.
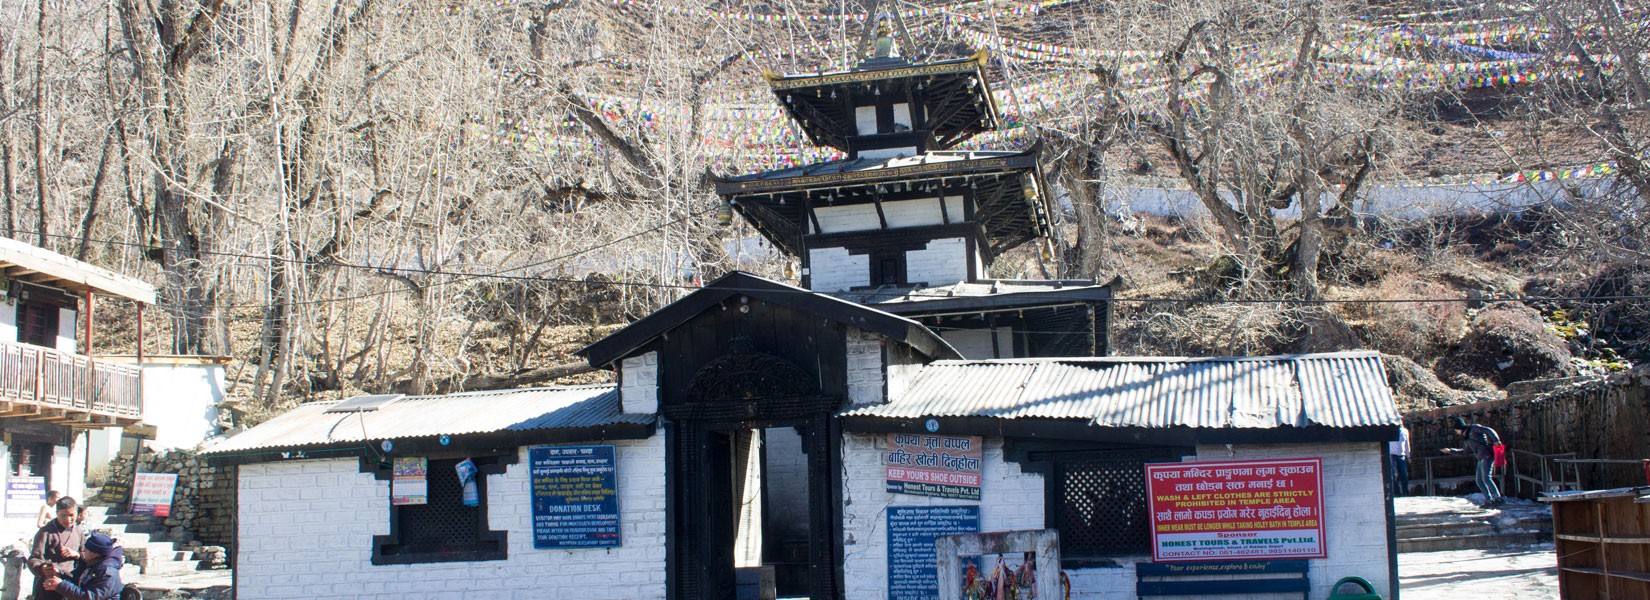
(746, 390)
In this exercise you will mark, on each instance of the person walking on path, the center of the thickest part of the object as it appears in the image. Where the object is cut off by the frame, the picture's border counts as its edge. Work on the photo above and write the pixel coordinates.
(1399, 450)
(56, 548)
(48, 511)
(98, 577)
(1481, 441)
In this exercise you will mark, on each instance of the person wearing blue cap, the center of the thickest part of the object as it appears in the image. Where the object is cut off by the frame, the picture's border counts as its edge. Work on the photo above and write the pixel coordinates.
(97, 577)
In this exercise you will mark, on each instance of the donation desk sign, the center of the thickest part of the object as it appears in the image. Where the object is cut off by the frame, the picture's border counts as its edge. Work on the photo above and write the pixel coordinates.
(152, 493)
(25, 495)
(934, 465)
(575, 496)
(1236, 509)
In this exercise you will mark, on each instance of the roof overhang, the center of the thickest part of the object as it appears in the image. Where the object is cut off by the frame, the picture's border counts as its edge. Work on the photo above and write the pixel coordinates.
(1011, 199)
(1082, 430)
(622, 343)
(822, 103)
(40, 266)
(998, 302)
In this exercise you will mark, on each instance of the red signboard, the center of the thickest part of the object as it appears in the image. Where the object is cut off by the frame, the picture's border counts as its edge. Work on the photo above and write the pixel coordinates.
(1237, 509)
(934, 465)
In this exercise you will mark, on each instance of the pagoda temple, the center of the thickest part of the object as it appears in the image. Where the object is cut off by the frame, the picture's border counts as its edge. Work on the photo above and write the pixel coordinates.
(911, 224)
(855, 437)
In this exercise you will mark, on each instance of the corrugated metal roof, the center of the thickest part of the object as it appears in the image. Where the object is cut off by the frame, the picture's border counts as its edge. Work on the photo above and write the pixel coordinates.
(449, 414)
(1344, 389)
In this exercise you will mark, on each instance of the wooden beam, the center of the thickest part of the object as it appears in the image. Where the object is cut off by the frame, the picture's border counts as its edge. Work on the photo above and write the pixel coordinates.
(21, 410)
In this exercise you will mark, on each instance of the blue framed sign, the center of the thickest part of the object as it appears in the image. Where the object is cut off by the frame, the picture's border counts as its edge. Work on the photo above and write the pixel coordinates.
(575, 496)
(913, 566)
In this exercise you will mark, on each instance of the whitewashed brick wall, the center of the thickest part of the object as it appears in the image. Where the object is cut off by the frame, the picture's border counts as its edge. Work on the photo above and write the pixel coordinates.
(306, 530)
(1354, 526)
(913, 213)
(847, 217)
(834, 270)
(1011, 500)
(943, 262)
(1354, 507)
(976, 344)
(8, 321)
(67, 329)
(864, 367)
(639, 384)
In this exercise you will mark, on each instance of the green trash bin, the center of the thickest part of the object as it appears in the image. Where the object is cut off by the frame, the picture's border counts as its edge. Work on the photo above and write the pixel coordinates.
(1353, 588)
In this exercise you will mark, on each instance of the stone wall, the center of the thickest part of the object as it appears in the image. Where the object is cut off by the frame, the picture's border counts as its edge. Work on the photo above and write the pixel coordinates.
(203, 507)
(1584, 418)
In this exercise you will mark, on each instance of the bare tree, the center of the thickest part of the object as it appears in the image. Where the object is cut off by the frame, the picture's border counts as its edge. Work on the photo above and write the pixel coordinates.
(1251, 158)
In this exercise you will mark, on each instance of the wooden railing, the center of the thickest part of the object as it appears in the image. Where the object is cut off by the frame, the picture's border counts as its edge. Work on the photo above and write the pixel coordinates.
(35, 376)
(1527, 475)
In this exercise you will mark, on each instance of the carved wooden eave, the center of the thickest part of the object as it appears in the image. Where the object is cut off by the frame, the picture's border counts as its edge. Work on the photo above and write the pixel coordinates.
(1007, 189)
(955, 97)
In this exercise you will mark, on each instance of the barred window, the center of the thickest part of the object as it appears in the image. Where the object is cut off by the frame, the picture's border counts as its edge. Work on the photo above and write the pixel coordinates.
(1097, 500)
(443, 529)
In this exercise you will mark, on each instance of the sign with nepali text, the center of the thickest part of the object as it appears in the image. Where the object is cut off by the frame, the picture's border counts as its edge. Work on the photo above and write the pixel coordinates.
(1236, 509)
(575, 496)
(410, 481)
(25, 495)
(152, 493)
(913, 565)
(934, 465)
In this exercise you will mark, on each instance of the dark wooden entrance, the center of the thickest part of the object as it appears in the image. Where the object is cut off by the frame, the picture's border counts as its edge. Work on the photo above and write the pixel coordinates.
(742, 391)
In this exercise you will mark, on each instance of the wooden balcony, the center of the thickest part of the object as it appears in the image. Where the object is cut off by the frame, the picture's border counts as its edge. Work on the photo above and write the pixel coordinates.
(48, 385)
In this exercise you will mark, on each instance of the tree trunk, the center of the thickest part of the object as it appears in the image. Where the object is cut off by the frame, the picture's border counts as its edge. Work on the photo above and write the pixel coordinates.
(8, 163)
(40, 95)
(164, 42)
(1085, 166)
(90, 216)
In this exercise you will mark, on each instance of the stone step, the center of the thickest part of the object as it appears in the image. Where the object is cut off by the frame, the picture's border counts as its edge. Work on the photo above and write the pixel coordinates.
(165, 568)
(1455, 529)
(1485, 541)
(198, 592)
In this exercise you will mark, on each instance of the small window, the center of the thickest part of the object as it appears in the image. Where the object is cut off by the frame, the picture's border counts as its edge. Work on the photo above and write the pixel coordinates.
(1097, 500)
(37, 324)
(888, 271)
(443, 529)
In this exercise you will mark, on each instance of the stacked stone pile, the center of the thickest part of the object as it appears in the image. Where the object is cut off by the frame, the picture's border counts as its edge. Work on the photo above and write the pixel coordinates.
(203, 507)
(211, 557)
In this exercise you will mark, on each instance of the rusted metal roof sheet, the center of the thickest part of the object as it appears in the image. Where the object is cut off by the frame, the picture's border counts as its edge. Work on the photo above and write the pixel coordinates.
(1340, 390)
(521, 410)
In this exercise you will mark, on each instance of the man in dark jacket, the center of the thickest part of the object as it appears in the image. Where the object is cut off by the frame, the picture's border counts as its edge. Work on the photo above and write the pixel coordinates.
(98, 577)
(1481, 442)
(58, 546)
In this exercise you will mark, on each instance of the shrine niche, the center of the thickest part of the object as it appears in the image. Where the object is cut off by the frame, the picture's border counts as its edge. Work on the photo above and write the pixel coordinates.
(745, 374)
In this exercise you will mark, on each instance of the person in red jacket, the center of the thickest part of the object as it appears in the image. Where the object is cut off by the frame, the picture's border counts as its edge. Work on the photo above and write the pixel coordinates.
(1481, 442)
